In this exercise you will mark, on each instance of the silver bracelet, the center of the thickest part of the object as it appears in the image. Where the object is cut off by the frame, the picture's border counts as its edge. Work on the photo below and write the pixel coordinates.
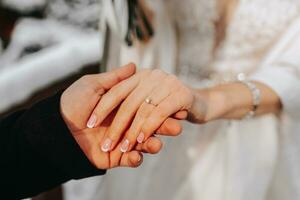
(256, 94)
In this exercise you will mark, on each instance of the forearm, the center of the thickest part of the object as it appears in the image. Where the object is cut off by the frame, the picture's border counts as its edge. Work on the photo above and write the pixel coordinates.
(231, 101)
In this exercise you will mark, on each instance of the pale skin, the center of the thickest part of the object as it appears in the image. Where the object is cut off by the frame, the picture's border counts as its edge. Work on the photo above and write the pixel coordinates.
(77, 104)
(137, 120)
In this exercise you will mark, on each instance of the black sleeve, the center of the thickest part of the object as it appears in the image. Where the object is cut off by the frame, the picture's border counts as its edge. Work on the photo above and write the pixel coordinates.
(37, 152)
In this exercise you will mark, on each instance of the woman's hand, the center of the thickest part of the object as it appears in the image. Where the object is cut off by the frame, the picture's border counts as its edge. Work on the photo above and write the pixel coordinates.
(146, 101)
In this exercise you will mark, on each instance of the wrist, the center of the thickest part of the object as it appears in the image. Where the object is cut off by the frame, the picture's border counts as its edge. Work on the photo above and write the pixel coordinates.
(208, 105)
(236, 100)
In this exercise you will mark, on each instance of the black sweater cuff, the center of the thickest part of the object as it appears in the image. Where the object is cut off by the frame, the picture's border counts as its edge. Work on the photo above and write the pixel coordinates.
(52, 139)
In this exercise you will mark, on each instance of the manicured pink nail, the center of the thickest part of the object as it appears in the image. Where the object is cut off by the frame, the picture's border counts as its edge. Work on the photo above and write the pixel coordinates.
(140, 138)
(92, 121)
(106, 145)
(124, 146)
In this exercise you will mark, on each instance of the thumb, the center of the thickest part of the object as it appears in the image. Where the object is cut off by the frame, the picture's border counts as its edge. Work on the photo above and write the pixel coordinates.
(109, 79)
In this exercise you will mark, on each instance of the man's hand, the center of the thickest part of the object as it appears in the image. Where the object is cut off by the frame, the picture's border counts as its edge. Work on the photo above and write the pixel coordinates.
(77, 104)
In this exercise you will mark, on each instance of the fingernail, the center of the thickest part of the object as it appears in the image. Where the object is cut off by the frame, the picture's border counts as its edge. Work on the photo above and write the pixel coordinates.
(106, 145)
(92, 121)
(124, 146)
(139, 159)
(140, 138)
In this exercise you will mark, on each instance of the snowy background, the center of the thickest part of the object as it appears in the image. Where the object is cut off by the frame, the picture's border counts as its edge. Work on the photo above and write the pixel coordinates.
(51, 40)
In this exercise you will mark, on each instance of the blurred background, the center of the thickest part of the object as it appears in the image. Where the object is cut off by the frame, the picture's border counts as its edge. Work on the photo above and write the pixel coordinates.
(45, 45)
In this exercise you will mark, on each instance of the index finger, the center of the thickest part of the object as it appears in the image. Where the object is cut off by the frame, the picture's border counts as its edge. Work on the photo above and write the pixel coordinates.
(109, 79)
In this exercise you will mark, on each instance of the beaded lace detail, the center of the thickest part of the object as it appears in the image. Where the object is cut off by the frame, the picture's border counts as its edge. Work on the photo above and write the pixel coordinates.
(256, 26)
(195, 29)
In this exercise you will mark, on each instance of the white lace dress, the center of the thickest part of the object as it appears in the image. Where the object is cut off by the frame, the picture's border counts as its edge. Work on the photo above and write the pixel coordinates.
(235, 160)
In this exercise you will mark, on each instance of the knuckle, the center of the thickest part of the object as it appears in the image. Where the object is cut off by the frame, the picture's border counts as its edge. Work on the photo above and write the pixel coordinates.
(86, 78)
(98, 90)
(187, 96)
(158, 72)
(172, 77)
(172, 80)
(142, 75)
(145, 71)
(87, 81)
(180, 101)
